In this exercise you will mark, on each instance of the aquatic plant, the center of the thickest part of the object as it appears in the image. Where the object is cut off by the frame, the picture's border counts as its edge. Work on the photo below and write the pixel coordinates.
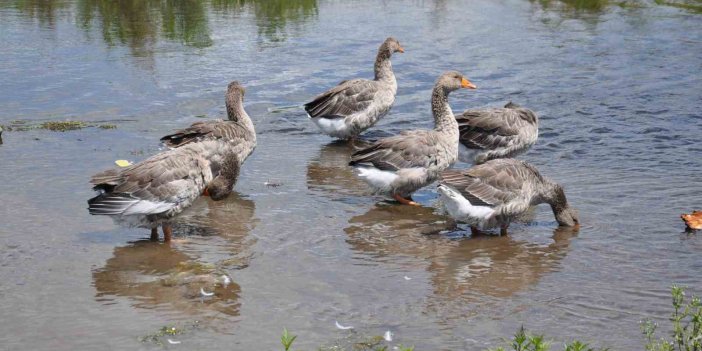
(525, 341)
(62, 126)
(287, 339)
(167, 333)
(355, 343)
(55, 126)
(687, 325)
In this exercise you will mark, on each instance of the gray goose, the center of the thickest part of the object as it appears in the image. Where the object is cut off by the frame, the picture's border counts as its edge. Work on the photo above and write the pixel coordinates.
(487, 134)
(355, 105)
(400, 165)
(499, 191)
(205, 161)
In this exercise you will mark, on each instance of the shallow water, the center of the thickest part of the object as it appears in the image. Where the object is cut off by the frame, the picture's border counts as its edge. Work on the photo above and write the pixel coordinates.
(618, 90)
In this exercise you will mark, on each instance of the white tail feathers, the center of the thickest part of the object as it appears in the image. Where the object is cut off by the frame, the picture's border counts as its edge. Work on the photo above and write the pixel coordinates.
(380, 180)
(461, 209)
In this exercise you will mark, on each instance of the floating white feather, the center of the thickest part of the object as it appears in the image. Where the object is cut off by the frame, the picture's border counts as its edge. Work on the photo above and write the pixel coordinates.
(342, 327)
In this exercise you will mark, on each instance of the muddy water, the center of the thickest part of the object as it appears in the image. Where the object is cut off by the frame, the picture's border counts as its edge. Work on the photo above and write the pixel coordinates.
(618, 90)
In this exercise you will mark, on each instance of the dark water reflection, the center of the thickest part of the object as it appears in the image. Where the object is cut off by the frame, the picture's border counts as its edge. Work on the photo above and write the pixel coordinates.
(464, 269)
(139, 25)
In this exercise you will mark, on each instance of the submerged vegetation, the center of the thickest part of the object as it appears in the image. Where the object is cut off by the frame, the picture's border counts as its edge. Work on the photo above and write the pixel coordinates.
(167, 333)
(54, 126)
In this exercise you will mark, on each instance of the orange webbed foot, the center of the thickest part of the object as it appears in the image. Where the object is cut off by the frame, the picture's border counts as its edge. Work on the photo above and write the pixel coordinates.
(404, 201)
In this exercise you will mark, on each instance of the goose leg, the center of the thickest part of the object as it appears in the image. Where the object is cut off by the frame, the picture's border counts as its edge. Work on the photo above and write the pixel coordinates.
(167, 232)
(475, 231)
(154, 234)
(404, 201)
(503, 229)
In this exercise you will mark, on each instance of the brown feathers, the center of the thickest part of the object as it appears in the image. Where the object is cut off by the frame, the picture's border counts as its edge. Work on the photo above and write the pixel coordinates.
(693, 221)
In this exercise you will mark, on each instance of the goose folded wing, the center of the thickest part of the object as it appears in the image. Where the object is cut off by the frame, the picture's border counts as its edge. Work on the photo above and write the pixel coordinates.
(485, 186)
(407, 150)
(206, 130)
(489, 129)
(347, 98)
(152, 186)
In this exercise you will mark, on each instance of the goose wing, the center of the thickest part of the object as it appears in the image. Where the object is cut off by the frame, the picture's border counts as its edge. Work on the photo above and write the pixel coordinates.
(490, 184)
(206, 130)
(490, 129)
(347, 98)
(152, 186)
(407, 150)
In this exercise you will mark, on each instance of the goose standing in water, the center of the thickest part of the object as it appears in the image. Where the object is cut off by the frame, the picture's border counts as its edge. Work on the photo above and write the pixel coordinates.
(355, 105)
(400, 165)
(487, 134)
(498, 191)
(205, 160)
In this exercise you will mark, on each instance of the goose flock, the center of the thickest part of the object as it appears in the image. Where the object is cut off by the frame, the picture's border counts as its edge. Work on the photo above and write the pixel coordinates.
(205, 158)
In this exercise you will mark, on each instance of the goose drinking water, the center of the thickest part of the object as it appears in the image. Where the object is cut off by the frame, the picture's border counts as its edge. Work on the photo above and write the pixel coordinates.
(497, 192)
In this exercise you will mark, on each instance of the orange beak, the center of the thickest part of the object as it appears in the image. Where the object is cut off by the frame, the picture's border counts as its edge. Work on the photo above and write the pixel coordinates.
(465, 83)
(205, 192)
(401, 50)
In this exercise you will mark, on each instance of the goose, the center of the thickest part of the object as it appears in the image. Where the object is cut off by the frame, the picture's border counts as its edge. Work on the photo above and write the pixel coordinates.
(205, 160)
(400, 165)
(355, 105)
(498, 191)
(487, 134)
(237, 133)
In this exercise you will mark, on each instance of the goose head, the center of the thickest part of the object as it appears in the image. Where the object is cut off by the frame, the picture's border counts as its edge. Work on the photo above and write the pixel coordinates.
(453, 80)
(566, 216)
(236, 90)
(390, 46)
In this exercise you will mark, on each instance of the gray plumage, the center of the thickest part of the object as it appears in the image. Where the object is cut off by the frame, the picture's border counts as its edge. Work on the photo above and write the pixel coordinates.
(237, 134)
(499, 191)
(400, 165)
(355, 105)
(205, 156)
(487, 134)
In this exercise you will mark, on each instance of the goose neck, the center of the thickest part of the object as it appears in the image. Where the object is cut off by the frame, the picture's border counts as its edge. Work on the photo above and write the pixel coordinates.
(443, 115)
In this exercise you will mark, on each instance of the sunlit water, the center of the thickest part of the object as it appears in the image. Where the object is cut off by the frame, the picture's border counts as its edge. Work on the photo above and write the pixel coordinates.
(618, 90)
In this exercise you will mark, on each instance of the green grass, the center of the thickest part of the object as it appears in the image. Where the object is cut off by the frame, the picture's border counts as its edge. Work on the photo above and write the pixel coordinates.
(372, 343)
(686, 334)
(686, 322)
(525, 341)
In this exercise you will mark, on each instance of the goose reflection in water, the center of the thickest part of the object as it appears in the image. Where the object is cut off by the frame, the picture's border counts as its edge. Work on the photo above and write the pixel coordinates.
(472, 269)
(330, 174)
(181, 276)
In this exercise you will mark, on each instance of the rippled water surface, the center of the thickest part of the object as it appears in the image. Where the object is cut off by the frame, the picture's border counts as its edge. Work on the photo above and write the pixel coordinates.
(617, 86)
